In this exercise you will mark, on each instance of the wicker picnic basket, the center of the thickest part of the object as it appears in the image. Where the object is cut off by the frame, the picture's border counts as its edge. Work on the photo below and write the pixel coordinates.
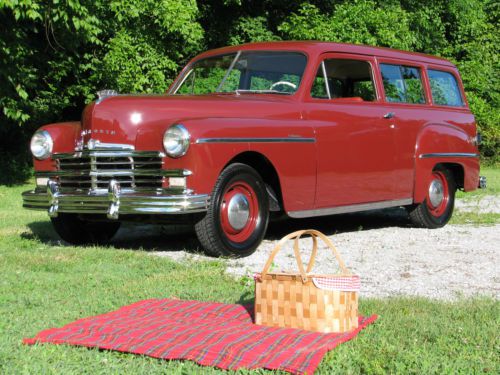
(321, 303)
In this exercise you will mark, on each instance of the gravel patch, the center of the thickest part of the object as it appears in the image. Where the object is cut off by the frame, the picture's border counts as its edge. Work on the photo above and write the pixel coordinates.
(446, 263)
(392, 258)
(485, 204)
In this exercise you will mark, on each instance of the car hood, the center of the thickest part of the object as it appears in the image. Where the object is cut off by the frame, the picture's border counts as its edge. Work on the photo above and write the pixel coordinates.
(123, 119)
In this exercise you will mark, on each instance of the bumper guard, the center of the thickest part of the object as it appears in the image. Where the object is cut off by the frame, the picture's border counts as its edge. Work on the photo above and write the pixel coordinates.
(482, 182)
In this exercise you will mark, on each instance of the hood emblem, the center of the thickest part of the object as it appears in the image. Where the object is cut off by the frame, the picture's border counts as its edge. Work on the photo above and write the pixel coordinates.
(97, 131)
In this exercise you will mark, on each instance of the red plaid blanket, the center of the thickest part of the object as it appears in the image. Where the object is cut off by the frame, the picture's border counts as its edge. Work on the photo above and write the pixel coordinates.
(211, 334)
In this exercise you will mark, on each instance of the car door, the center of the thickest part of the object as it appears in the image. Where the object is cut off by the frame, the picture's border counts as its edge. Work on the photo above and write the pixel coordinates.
(355, 140)
(405, 96)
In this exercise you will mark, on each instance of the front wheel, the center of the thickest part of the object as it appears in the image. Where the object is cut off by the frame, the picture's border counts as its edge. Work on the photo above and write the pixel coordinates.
(238, 214)
(77, 231)
(436, 209)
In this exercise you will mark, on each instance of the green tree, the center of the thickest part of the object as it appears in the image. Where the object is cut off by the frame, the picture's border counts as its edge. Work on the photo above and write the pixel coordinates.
(55, 54)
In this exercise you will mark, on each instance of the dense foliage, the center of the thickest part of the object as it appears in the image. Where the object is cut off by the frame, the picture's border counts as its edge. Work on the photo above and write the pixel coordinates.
(55, 54)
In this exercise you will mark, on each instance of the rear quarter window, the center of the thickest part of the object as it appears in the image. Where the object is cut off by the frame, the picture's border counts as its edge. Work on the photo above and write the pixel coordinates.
(402, 84)
(444, 88)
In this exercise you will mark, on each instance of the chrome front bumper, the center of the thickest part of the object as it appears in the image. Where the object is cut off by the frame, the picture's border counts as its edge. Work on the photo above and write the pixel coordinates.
(112, 202)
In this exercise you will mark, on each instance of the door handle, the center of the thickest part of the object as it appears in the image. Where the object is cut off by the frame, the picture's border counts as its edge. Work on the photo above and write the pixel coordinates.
(389, 115)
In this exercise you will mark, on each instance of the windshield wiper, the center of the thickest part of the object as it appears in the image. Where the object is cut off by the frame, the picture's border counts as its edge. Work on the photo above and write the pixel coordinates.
(242, 91)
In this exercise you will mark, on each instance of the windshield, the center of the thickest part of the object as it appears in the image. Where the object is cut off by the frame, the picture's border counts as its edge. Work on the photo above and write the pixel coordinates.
(245, 72)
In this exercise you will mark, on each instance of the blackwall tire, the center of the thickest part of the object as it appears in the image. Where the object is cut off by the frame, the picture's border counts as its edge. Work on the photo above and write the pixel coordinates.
(238, 214)
(77, 231)
(434, 212)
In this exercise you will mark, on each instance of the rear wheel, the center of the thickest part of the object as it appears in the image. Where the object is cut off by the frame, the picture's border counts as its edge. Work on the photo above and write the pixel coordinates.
(75, 230)
(436, 210)
(237, 217)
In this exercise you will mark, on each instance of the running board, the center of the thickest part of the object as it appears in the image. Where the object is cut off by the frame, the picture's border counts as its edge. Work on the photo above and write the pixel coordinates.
(348, 209)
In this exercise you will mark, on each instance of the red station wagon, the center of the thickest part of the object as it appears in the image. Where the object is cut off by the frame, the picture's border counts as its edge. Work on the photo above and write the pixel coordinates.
(302, 128)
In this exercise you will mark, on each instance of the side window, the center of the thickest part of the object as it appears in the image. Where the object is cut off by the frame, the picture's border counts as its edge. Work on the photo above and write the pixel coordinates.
(402, 84)
(341, 78)
(444, 88)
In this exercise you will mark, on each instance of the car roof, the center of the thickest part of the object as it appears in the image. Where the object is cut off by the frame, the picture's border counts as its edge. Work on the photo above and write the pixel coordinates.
(317, 47)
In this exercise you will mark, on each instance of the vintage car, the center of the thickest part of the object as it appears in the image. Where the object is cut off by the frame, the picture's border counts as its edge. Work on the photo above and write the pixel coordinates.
(298, 128)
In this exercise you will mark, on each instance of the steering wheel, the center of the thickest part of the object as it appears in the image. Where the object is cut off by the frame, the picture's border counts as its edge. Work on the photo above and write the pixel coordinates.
(286, 83)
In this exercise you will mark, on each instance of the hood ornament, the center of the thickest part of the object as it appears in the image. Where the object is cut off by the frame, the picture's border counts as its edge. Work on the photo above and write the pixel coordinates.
(103, 94)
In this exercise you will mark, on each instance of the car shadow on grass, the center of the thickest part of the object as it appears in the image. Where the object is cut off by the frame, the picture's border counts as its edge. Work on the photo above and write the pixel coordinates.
(158, 238)
(43, 232)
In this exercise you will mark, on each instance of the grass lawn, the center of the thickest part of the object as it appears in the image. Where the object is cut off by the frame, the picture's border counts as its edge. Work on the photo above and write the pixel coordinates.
(45, 284)
(492, 184)
(493, 189)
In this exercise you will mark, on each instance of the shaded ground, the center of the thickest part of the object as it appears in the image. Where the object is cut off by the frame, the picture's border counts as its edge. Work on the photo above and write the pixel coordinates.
(392, 257)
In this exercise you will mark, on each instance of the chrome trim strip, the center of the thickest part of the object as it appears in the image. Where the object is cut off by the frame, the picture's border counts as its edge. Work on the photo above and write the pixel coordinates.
(117, 172)
(448, 155)
(113, 153)
(350, 208)
(256, 140)
(233, 63)
(97, 145)
(325, 77)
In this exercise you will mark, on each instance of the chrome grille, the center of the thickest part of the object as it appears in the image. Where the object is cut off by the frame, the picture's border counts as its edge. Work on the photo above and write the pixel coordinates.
(95, 169)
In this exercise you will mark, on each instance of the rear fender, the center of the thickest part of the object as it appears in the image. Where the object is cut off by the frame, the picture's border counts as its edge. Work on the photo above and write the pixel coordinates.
(447, 145)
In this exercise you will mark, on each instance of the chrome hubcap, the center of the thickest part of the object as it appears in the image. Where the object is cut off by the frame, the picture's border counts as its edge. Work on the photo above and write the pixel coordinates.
(436, 193)
(238, 211)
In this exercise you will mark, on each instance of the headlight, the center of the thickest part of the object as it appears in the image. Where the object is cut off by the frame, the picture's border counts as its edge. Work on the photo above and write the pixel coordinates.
(176, 141)
(41, 144)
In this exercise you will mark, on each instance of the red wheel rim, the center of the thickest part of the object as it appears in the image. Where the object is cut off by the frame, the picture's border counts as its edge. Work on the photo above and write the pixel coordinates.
(437, 207)
(242, 192)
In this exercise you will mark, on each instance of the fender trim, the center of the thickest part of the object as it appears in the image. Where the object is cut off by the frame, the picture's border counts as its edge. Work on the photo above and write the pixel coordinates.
(448, 155)
(256, 140)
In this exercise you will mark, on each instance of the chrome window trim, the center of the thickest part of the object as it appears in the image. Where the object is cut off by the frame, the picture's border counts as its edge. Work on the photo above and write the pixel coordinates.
(229, 70)
(448, 155)
(349, 209)
(325, 77)
(256, 140)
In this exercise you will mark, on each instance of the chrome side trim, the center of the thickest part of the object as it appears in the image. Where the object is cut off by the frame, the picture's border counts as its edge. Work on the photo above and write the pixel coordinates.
(256, 140)
(448, 155)
(348, 209)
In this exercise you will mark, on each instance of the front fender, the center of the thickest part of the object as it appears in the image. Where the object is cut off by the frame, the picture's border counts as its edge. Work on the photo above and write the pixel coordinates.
(65, 136)
(288, 144)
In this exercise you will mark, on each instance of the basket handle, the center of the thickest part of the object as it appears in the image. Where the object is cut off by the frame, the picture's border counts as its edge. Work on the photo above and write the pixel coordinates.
(296, 236)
